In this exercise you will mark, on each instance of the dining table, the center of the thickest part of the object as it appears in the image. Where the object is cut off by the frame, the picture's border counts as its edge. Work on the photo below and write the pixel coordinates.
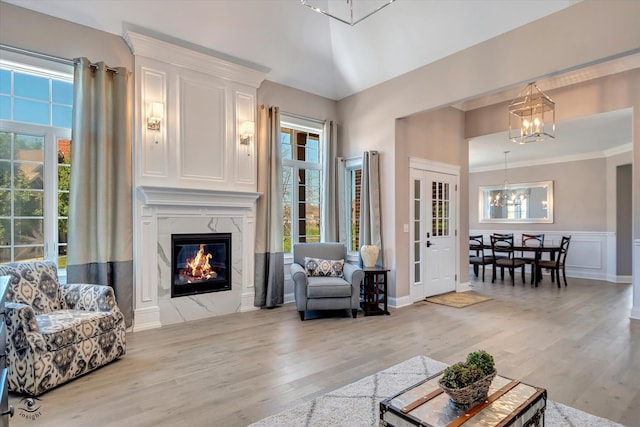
(551, 249)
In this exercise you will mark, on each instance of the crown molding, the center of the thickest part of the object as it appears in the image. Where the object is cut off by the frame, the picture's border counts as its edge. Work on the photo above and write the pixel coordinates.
(150, 47)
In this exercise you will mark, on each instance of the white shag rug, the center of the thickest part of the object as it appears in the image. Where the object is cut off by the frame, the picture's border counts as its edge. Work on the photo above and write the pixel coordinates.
(358, 404)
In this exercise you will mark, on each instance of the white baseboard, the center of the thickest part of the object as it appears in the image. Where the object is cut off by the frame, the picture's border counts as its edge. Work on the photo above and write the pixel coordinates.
(464, 287)
(146, 318)
(635, 313)
(400, 302)
(246, 302)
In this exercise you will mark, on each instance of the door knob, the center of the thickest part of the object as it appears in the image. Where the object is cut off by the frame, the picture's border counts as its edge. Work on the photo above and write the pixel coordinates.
(428, 244)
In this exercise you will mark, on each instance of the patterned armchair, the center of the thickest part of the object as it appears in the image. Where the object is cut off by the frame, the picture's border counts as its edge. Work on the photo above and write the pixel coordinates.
(56, 332)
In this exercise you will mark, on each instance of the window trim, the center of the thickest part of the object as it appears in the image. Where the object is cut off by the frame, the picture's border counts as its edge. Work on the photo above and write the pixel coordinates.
(347, 164)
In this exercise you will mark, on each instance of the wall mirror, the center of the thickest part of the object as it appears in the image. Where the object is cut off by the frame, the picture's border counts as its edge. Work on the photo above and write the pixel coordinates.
(530, 202)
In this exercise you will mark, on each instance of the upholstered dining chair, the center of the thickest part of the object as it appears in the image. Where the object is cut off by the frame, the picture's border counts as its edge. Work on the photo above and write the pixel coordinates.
(323, 280)
(530, 257)
(558, 264)
(504, 257)
(477, 255)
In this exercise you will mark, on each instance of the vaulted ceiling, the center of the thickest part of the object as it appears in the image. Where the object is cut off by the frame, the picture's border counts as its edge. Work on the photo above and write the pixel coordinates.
(307, 50)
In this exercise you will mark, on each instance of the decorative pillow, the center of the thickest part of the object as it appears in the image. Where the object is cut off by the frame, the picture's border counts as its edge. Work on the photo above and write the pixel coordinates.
(324, 267)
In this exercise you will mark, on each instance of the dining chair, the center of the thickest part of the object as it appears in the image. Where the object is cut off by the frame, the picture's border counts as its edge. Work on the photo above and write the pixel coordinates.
(477, 255)
(532, 241)
(558, 264)
(504, 257)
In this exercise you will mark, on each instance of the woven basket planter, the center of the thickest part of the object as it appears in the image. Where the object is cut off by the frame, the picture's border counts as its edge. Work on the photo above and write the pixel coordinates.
(472, 393)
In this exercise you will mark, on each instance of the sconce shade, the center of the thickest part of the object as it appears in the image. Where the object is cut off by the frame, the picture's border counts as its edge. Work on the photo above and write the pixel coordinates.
(247, 129)
(155, 115)
(532, 116)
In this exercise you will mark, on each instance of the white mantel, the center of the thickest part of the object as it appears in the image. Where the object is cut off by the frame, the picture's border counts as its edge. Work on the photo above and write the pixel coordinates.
(193, 175)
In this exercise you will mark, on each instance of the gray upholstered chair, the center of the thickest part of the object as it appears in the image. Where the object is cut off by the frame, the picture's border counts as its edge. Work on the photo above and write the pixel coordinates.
(323, 280)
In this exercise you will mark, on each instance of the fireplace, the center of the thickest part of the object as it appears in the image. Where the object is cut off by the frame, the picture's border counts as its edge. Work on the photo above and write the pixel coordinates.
(200, 263)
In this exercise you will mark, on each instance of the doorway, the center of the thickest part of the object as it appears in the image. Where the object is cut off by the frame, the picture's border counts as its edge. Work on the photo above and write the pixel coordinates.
(433, 228)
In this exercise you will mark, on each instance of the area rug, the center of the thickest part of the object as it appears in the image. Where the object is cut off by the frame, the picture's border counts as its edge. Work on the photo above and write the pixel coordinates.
(358, 404)
(458, 299)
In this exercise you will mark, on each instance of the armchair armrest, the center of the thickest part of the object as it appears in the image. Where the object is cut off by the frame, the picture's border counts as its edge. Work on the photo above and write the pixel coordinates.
(299, 276)
(80, 296)
(353, 274)
(22, 328)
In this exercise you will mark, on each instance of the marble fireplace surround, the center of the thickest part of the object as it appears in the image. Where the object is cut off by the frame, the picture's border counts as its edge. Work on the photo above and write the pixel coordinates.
(165, 211)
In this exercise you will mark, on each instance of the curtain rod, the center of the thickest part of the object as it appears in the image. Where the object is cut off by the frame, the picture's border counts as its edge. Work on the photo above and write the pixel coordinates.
(40, 55)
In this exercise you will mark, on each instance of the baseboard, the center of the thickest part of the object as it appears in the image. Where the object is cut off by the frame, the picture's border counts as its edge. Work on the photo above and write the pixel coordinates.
(400, 302)
(146, 318)
(246, 302)
(464, 287)
(623, 279)
(635, 313)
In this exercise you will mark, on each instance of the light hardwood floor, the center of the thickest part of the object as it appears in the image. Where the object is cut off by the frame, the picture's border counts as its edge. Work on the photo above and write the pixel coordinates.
(577, 342)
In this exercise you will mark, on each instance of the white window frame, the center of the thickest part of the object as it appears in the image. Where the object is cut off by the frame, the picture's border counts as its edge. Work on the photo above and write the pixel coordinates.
(348, 165)
(58, 71)
(310, 126)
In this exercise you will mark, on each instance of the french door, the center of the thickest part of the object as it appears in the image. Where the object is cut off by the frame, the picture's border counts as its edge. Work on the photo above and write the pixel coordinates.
(433, 250)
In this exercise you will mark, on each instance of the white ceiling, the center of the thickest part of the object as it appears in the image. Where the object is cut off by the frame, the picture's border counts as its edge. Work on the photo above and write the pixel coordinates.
(307, 50)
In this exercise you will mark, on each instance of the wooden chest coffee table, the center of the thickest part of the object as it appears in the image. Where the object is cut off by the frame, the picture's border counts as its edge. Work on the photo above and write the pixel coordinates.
(509, 403)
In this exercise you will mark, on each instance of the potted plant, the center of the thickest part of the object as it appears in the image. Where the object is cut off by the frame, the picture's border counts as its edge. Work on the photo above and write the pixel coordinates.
(468, 382)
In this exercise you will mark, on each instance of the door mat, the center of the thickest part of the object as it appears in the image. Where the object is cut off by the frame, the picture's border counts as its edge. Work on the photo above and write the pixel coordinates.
(458, 299)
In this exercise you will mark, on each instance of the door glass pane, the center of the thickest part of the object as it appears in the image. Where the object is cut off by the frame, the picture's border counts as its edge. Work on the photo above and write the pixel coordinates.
(416, 272)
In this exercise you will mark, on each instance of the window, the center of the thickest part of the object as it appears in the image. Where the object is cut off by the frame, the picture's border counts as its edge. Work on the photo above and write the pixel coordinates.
(301, 177)
(35, 155)
(353, 186)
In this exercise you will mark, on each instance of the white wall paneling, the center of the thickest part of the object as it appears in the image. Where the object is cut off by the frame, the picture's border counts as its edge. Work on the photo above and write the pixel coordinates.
(635, 309)
(192, 176)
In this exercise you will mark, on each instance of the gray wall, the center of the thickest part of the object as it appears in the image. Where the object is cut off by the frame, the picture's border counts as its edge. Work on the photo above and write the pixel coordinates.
(579, 195)
(624, 244)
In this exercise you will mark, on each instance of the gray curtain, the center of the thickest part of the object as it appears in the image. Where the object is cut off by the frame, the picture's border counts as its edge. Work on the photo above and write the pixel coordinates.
(100, 248)
(269, 257)
(370, 221)
(328, 207)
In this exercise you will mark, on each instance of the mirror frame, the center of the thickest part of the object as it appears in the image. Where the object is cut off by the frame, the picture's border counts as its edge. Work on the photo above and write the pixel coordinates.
(483, 208)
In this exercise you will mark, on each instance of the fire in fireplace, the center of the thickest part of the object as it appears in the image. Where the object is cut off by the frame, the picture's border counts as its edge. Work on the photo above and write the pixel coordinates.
(200, 263)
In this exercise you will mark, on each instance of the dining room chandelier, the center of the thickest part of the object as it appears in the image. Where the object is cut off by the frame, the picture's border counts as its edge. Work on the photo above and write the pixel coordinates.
(345, 11)
(532, 116)
(507, 196)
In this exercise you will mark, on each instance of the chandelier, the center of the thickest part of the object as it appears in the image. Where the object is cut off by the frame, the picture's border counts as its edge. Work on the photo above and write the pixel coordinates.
(345, 12)
(507, 197)
(532, 116)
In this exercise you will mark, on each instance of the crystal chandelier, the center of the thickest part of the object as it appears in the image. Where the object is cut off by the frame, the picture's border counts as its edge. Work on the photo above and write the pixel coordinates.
(532, 116)
(507, 197)
(345, 12)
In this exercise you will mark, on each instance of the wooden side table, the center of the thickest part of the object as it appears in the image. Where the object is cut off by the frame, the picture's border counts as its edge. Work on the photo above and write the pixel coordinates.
(373, 291)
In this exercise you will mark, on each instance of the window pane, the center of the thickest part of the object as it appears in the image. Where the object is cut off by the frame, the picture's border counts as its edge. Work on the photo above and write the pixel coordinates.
(5, 82)
(62, 257)
(28, 232)
(62, 231)
(28, 203)
(5, 255)
(27, 175)
(61, 116)
(5, 174)
(61, 92)
(31, 111)
(30, 86)
(5, 145)
(5, 231)
(285, 143)
(5, 203)
(5, 107)
(29, 253)
(312, 149)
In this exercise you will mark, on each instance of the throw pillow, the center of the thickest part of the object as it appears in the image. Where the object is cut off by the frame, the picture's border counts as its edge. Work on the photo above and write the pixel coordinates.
(324, 267)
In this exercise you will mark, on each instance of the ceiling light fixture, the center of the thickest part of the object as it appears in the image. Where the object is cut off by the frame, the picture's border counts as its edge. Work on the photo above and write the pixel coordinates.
(532, 116)
(507, 197)
(345, 13)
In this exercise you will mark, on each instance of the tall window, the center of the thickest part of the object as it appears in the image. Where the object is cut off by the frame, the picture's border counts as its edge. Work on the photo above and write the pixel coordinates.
(354, 186)
(35, 155)
(301, 169)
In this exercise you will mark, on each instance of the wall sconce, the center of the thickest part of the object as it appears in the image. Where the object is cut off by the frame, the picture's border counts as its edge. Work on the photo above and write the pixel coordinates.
(247, 129)
(156, 113)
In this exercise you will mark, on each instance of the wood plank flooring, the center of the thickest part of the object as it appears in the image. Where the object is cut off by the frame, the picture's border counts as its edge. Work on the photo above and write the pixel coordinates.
(578, 342)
